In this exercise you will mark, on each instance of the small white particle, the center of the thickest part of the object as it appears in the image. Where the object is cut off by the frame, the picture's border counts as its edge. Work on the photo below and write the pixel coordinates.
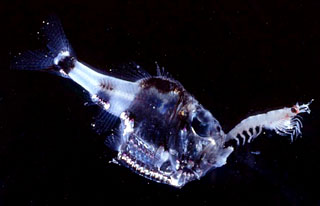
(93, 124)
(256, 152)
(138, 66)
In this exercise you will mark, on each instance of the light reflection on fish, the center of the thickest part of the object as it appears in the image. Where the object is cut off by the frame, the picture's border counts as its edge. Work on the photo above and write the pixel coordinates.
(164, 133)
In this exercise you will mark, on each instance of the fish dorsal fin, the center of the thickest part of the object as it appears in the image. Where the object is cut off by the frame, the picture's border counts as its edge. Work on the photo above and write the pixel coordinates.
(162, 72)
(130, 71)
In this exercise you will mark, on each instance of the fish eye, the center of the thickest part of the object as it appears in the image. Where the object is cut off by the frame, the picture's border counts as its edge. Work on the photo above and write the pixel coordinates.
(200, 127)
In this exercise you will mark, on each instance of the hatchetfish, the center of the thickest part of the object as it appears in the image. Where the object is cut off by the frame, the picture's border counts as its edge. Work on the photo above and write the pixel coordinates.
(161, 131)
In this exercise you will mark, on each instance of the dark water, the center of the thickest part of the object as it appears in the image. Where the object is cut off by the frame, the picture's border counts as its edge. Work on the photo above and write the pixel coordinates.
(236, 58)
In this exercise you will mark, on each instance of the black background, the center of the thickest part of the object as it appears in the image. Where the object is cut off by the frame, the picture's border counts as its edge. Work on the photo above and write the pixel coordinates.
(237, 58)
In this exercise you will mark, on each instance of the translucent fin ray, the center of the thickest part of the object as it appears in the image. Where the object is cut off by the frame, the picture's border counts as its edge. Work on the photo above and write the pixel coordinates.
(56, 43)
(104, 122)
(55, 36)
(33, 60)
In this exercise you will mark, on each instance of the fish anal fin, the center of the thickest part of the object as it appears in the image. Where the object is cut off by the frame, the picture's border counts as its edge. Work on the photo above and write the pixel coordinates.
(104, 122)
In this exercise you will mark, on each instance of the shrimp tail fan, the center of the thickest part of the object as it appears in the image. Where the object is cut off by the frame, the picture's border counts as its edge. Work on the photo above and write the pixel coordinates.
(49, 58)
(285, 122)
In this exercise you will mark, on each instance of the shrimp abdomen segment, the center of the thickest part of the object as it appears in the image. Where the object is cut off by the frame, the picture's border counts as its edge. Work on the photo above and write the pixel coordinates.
(285, 121)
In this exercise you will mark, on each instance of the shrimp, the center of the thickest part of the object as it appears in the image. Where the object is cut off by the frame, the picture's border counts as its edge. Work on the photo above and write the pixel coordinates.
(285, 121)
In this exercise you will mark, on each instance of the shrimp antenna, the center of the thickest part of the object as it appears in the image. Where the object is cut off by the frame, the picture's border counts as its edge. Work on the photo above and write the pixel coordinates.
(304, 107)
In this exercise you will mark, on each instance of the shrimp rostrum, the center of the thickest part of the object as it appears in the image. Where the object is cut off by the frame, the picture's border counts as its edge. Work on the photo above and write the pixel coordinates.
(161, 131)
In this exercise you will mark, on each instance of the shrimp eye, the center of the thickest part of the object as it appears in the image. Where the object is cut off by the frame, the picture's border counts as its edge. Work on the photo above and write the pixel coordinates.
(293, 110)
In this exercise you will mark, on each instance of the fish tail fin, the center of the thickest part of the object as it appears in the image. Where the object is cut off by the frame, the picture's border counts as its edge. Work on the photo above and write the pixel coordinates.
(56, 57)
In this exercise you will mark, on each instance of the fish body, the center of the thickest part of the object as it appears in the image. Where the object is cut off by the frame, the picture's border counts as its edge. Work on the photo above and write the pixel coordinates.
(161, 131)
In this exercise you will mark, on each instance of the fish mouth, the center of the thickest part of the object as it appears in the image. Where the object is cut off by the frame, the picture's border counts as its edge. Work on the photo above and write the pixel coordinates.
(177, 178)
